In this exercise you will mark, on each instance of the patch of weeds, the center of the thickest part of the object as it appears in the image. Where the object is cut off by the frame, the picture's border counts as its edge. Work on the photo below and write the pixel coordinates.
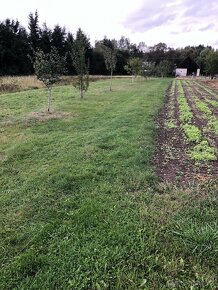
(202, 239)
(171, 125)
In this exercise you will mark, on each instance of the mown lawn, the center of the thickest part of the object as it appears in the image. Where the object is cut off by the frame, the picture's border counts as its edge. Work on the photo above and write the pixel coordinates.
(81, 207)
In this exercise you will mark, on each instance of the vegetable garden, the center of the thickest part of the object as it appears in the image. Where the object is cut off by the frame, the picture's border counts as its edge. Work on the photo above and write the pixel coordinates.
(187, 138)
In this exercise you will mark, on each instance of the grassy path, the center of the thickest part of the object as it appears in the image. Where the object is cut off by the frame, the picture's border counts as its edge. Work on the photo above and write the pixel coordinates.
(80, 208)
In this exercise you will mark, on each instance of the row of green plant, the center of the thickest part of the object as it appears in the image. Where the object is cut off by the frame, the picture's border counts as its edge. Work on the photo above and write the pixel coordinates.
(199, 104)
(202, 151)
(202, 106)
(212, 124)
(212, 102)
(193, 87)
(186, 114)
(207, 97)
(206, 89)
(192, 132)
(170, 122)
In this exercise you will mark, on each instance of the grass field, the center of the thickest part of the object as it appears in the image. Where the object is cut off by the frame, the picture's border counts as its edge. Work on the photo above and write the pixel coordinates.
(81, 207)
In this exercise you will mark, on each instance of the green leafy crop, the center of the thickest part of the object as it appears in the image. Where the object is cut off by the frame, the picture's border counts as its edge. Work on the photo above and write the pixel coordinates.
(203, 152)
(192, 132)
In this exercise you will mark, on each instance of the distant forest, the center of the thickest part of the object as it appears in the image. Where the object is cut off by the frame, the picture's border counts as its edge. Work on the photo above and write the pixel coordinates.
(17, 47)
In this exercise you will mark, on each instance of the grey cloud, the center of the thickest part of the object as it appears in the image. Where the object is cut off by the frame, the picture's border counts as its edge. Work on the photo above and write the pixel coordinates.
(209, 26)
(216, 43)
(187, 29)
(149, 16)
(158, 20)
(200, 8)
(157, 13)
(174, 32)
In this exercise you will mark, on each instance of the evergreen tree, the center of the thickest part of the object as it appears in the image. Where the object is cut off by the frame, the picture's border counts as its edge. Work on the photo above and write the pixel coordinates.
(34, 35)
(45, 38)
(14, 49)
(34, 31)
(69, 47)
(58, 39)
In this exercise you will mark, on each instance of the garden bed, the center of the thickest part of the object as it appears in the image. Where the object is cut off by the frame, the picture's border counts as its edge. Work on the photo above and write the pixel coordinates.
(187, 138)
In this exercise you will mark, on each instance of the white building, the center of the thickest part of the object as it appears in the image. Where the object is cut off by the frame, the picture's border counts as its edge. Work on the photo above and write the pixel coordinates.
(181, 72)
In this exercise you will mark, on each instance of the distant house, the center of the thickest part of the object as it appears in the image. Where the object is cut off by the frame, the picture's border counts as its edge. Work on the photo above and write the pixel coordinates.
(181, 72)
(188, 67)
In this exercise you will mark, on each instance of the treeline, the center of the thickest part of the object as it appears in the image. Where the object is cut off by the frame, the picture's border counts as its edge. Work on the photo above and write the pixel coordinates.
(18, 46)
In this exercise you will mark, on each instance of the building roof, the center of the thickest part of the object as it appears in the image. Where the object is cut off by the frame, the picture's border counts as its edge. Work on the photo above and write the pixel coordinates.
(189, 63)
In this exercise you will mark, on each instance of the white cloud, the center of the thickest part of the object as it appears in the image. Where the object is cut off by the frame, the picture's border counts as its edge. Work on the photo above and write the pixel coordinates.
(176, 22)
(179, 22)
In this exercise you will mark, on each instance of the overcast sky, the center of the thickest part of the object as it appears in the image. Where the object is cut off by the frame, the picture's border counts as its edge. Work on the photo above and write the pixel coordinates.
(176, 22)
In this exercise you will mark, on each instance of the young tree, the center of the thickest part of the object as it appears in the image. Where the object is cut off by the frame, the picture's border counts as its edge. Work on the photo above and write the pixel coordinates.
(164, 68)
(48, 68)
(134, 67)
(110, 60)
(109, 51)
(80, 62)
(148, 69)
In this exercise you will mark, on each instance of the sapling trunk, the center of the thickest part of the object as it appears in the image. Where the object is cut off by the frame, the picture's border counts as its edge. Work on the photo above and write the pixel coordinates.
(81, 88)
(111, 80)
(49, 99)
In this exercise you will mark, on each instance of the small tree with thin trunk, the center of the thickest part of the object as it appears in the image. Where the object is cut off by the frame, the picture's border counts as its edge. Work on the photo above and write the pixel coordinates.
(164, 68)
(48, 68)
(80, 62)
(134, 67)
(110, 60)
(148, 69)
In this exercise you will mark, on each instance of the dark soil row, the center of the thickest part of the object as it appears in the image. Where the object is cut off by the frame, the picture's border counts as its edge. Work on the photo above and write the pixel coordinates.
(171, 161)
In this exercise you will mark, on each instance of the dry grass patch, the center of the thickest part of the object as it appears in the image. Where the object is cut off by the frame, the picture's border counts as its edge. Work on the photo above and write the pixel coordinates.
(45, 116)
(212, 83)
(23, 83)
(19, 83)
